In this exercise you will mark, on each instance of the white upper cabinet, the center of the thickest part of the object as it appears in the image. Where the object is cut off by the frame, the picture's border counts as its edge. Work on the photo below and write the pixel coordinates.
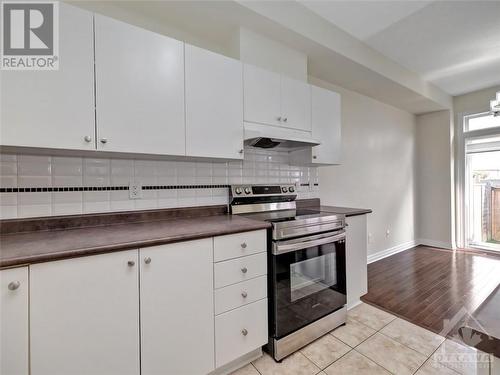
(84, 315)
(54, 109)
(326, 126)
(14, 336)
(214, 105)
(295, 104)
(262, 96)
(274, 99)
(139, 90)
(177, 308)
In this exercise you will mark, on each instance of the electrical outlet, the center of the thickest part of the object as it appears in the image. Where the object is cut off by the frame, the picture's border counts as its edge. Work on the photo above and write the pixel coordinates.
(135, 190)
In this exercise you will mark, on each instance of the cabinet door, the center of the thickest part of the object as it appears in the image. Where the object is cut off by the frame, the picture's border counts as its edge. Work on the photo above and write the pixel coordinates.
(14, 358)
(214, 105)
(262, 96)
(326, 126)
(177, 311)
(295, 104)
(139, 90)
(54, 109)
(84, 315)
(356, 259)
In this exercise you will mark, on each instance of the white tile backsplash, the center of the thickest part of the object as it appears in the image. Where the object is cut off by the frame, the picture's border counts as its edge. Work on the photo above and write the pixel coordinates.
(31, 171)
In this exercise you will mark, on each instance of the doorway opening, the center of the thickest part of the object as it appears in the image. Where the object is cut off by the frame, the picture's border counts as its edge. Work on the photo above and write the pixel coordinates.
(482, 181)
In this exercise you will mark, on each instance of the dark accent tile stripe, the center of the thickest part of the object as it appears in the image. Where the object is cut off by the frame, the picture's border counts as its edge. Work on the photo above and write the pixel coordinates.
(106, 188)
(114, 188)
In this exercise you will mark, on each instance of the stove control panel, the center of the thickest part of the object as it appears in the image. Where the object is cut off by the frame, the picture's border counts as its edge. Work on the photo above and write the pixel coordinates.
(262, 190)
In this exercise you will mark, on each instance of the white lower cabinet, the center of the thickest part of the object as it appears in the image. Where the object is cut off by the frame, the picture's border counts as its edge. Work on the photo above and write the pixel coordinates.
(236, 295)
(356, 259)
(240, 331)
(240, 269)
(84, 315)
(148, 311)
(14, 336)
(240, 295)
(177, 313)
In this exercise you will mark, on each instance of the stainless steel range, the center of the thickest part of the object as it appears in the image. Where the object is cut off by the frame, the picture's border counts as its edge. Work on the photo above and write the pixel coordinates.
(306, 265)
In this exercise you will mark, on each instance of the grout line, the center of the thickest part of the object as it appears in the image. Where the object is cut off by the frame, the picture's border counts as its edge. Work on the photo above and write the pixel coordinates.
(378, 364)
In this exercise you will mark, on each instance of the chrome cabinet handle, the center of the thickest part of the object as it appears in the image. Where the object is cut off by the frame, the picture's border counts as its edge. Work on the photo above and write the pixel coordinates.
(244, 270)
(87, 138)
(244, 245)
(13, 285)
(244, 332)
(147, 260)
(244, 294)
(104, 140)
(131, 263)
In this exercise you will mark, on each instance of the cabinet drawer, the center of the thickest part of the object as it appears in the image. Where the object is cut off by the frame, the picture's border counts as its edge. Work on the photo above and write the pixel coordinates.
(240, 331)
(240, 244)
(240, 269)
(240, 294)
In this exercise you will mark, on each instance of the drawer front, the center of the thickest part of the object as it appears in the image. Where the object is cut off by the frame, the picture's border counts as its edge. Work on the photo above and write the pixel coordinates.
(240, 244)
(240, 269)
(240, 331)
(237, 295)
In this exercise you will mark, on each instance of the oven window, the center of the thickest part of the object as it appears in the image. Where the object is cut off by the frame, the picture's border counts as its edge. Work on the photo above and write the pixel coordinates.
(311, 276)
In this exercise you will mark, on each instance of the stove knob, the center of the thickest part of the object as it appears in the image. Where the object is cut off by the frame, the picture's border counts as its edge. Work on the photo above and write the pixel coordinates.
(237, 190)
(284, 189)
(291, 189)
(247, 190)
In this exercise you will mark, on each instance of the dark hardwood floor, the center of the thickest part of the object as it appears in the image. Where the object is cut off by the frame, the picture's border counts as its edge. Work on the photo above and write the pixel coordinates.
(441, 290)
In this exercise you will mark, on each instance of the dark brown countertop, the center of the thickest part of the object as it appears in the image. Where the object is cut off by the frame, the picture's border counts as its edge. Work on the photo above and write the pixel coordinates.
(41, 246)
(347, 211)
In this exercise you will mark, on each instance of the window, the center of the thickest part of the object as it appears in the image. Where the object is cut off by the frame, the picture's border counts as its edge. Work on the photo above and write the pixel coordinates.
(481, 121)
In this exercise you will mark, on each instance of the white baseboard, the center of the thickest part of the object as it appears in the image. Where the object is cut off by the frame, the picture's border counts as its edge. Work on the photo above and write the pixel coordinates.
(407, 245)
(433, 243)
(391, 251)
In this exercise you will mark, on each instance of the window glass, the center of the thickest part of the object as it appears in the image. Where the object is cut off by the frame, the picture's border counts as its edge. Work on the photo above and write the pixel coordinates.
(481, 122)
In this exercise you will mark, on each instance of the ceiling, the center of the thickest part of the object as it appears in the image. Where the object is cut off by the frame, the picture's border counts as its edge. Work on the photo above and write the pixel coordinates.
(453, 44)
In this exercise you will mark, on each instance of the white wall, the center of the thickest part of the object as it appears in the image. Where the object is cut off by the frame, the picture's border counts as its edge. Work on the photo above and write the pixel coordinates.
(474, 102)
(377, 171)
(435, 225)
(258, 50)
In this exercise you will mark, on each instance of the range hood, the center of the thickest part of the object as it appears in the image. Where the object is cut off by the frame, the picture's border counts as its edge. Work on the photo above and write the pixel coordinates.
(268, 138)
(283, 144)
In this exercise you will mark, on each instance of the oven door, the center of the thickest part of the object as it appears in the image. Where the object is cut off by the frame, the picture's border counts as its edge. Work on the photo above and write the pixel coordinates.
(307, 281)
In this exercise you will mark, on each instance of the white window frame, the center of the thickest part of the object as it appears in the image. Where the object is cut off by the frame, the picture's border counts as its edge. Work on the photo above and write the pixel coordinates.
(461, 193)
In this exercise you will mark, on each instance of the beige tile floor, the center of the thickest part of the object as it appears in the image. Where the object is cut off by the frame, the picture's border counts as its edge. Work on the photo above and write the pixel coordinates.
(374, 342)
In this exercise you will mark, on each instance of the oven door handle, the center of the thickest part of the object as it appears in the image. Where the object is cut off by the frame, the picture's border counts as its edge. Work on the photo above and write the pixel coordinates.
(286, 248)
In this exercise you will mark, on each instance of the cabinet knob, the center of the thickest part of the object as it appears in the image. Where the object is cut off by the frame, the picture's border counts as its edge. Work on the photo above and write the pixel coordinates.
(278, 118)
(244, 270)
(244, 245)
(147, 260)
(244, 294)
(14, 285)
(87, 138)
(131, 263)
(285, 119)
(315, 157)
(104, 140)
(241, 151)
(244, 332)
